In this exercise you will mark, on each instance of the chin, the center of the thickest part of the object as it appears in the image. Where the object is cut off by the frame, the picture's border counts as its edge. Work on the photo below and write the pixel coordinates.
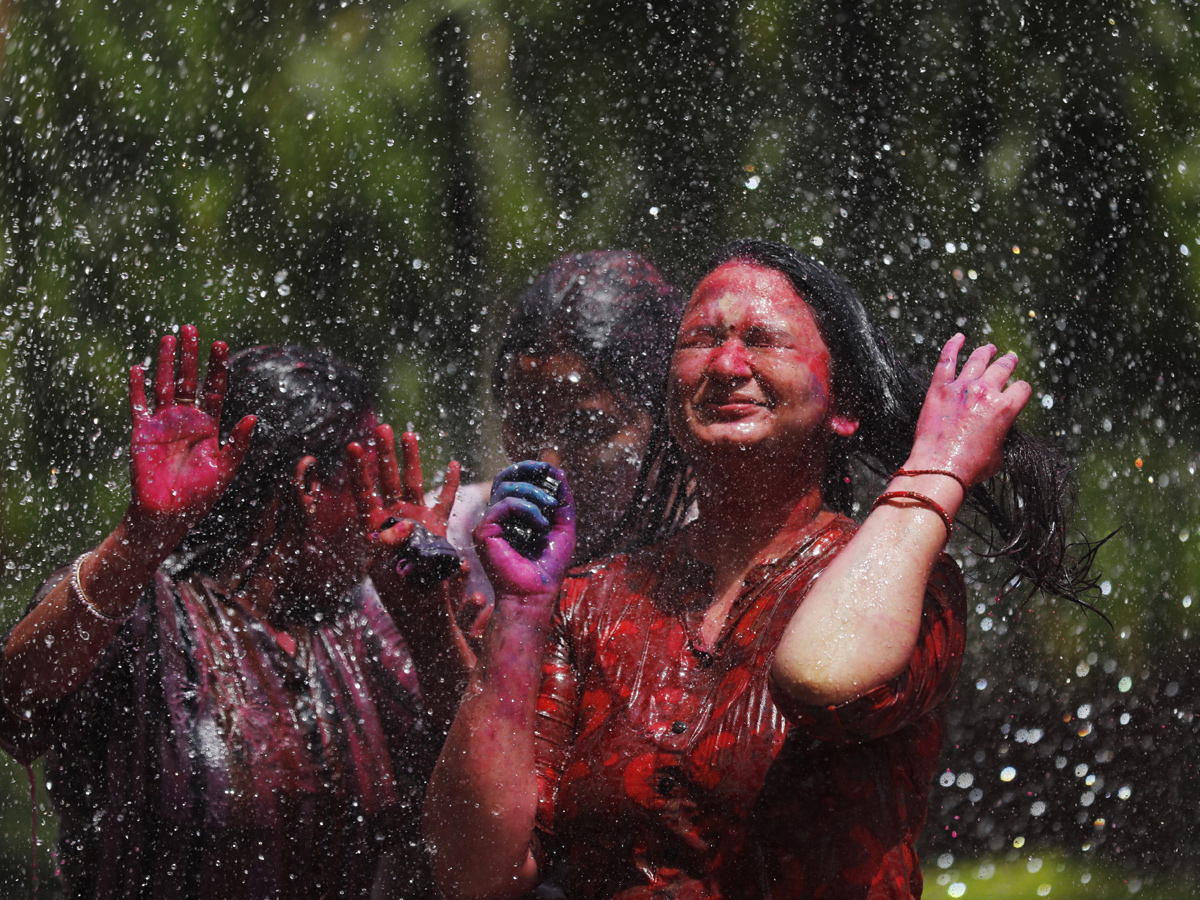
(728, 437)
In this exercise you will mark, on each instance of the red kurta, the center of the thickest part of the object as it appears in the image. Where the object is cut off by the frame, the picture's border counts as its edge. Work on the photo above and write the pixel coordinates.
(668, 769)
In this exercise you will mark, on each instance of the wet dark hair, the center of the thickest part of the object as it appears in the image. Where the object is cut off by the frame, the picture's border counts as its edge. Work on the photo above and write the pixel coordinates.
(1023, 513)
(308, 402)
(613, 308)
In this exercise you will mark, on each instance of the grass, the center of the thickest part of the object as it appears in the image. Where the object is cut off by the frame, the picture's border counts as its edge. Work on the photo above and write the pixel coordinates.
(1032, 874)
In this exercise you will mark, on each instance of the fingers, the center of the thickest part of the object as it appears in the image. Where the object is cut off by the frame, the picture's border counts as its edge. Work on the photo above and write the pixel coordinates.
(1018, 394)
(542, 474)
(389, 473)
(164, 375)
(396, 534)
(998, 373)
(979, 365)
(235, 448)
(449, 491)
(977, 362)
(365, 494)
(525, 491)
(138, 410)
(414, 482)
(517, 508)
(947, 364)
(189, 361)
(216, 380)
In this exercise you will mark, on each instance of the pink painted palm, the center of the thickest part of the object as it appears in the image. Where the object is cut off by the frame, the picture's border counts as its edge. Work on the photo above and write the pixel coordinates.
(178, 468)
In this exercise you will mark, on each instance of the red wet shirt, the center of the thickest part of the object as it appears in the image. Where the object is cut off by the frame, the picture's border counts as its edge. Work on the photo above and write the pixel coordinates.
(667, 769)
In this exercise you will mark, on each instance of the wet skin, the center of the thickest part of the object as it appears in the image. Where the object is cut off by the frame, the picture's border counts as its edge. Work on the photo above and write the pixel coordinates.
(389, 494)
(558, 409)
(751, 370)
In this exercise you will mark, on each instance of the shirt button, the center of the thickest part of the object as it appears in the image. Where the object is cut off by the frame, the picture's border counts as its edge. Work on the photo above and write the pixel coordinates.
(679, 727)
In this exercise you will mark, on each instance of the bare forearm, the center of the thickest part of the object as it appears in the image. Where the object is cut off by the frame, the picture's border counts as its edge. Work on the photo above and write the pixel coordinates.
(858, 627)
(430, 632)
(482, 801)
(53, 650)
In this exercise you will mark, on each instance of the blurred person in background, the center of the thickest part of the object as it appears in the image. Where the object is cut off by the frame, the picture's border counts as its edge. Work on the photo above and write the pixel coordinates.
(226, 706)
(579, 380)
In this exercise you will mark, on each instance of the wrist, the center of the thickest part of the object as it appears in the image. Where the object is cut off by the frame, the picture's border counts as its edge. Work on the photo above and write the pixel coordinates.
(415, 608)
(938, 483)
(141, 544)
(146, 534)
(525, 612)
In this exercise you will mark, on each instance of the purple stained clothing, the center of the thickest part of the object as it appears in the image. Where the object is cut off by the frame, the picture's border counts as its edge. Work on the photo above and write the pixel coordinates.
(203, 760)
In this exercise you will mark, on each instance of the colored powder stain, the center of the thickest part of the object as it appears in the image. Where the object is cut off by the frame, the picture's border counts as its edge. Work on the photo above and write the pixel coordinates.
(1138, 462)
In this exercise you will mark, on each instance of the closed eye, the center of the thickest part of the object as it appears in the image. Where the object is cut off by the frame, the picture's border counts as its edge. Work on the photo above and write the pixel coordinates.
(757, 336)
(698, 338)
(591, 425)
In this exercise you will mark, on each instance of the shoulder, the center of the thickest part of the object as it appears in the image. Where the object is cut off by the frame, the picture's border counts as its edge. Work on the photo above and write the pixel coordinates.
(628, 564)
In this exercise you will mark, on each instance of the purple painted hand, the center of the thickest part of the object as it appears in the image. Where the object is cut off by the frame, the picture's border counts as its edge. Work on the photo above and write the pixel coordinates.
(520, 496)
(178, 468)
(965, 419)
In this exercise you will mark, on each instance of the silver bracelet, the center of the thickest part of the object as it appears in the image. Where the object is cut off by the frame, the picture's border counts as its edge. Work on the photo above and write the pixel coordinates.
(77, 590)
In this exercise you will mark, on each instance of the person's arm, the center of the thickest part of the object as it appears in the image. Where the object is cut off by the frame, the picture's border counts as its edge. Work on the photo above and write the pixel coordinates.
(391, 504)
(178, 469)
(858, 627)
(481, 807)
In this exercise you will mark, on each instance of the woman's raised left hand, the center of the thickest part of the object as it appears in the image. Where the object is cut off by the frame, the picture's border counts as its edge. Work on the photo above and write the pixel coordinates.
(966, 417)
(392, 503)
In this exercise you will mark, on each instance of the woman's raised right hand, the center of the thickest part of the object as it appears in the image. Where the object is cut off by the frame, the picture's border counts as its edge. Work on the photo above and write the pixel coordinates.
(178, 468)
(549, 518)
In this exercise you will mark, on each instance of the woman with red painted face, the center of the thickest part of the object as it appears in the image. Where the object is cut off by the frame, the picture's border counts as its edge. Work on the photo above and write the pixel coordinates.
(747, 703)
(223, 696)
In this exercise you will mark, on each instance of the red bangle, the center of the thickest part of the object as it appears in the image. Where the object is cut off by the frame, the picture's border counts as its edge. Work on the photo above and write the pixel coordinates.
(921, 500)
(902, 472)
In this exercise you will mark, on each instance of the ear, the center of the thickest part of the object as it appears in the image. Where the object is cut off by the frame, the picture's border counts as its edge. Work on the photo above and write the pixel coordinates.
(306, 485)
(843, 426)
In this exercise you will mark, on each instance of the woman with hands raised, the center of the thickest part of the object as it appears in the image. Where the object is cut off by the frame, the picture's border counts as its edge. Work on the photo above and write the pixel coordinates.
(227, 707)
(746, 703)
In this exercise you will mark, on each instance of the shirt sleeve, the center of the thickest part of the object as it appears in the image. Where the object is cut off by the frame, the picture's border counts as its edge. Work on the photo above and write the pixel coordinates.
(926, 682)
(557, 705)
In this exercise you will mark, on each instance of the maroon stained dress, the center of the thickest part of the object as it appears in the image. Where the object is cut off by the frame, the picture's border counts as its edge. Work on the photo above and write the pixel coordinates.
(206, 758)
(672, 770)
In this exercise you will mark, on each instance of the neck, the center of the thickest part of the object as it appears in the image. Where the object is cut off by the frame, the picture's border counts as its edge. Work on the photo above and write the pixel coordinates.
(751, 511)
(260, 574)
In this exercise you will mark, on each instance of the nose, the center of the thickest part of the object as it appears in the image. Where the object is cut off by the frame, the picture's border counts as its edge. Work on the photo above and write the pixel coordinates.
(730, 360)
